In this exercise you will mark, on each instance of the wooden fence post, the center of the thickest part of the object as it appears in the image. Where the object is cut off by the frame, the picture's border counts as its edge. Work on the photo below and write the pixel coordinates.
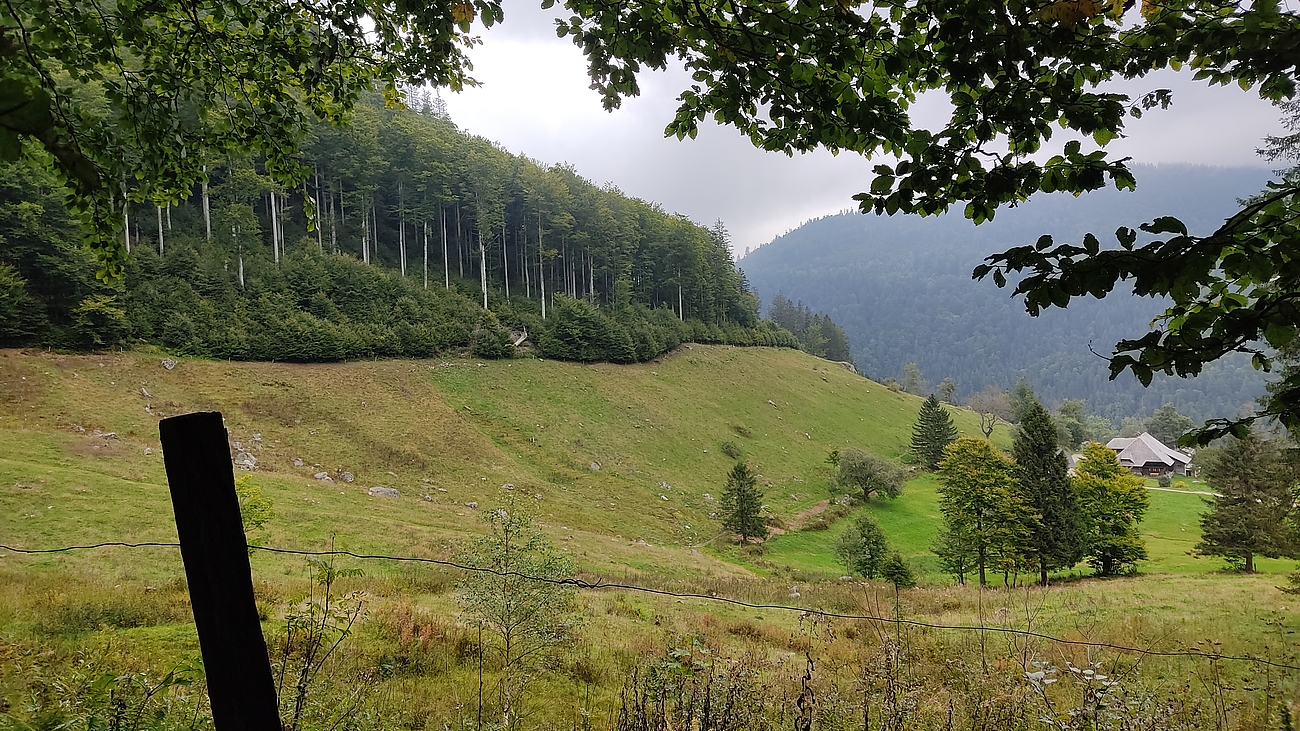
(196, 454)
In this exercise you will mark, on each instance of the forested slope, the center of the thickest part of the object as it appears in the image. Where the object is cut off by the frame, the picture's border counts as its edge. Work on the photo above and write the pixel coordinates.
(411, 238)
(901, 288)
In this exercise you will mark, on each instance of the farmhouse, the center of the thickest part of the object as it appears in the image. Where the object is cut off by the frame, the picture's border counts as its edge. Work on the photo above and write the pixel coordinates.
(1147, 456)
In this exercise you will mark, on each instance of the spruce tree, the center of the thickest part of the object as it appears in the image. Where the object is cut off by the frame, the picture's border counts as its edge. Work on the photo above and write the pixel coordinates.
(1251, 514)
(743, 504)
(933, 432)
(1058, 540)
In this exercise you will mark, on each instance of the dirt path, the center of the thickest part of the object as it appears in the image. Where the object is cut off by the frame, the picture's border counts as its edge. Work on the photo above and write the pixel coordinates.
(1186, 492)
(801, 518)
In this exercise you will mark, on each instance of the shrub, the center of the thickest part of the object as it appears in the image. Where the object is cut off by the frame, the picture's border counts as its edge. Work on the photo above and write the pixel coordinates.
(99, 322)
(490, 340)
(730, 449)
(1164, 481)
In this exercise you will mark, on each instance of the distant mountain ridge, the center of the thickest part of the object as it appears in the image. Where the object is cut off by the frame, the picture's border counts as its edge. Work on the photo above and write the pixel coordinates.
(901, 289)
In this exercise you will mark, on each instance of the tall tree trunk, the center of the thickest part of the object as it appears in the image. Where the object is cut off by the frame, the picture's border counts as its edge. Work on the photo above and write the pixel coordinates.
(1250, 562)
(446, 266)
(160, 231)
(523, 259)
(169, 217)
(460, 255)
(374, 230)
(365, 237)
(982, 558)
(126, 223)
(482, 267)
(401, 227)
(426, 254)
(275, 230)
(334, 231)
(505, 262)
(320, 234)
(541, 271)
(239, 246)
(1042, 570)
(207, 206)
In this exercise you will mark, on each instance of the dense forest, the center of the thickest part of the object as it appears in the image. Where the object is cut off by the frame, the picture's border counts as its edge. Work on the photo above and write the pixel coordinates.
(901, 288)
(411, 237)
(816, 332)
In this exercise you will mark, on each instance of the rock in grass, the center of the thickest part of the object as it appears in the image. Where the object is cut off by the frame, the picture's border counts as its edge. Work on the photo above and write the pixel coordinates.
(384, 492)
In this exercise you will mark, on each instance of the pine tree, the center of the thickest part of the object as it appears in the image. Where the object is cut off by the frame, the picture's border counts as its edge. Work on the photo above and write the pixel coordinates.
(933, 432)
(1112, 501)
(1251, 515)
(863, 547)
(981, 505)
(1057, 541)
(742, 503)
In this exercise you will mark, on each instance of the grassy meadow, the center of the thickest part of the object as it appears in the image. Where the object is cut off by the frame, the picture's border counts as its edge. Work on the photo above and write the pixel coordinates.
(621, 467)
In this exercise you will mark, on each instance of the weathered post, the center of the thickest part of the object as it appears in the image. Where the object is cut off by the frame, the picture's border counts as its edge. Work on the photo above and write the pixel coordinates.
(202, 482)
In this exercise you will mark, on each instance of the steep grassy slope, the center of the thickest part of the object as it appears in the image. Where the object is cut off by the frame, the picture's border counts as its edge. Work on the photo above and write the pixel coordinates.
(451, 431)
(622, 464)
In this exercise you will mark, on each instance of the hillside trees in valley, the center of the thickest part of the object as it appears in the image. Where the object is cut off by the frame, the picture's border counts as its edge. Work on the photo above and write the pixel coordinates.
(405, 224)
(901, 289)
(1057, 536)
(932, 433)
(1251, 514)
(817, 333)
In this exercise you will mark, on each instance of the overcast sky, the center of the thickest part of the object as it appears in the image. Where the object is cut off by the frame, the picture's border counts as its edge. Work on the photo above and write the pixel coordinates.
(535, 100)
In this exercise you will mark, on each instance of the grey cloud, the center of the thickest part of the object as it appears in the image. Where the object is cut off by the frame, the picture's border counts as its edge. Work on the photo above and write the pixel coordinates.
(535, 100)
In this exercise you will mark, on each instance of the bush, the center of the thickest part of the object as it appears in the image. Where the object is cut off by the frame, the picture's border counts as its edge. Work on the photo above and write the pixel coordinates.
(98, 322)
(1164, 481)
(730, 449)
(490, 340)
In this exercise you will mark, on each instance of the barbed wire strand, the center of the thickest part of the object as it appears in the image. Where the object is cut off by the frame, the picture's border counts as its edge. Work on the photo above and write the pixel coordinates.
(602, 584)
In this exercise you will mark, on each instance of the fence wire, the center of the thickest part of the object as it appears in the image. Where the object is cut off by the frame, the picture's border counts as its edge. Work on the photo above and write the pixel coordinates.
(601, 584)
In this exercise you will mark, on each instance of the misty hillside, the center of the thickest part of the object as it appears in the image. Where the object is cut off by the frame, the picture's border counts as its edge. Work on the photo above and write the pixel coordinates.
(901, 289)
